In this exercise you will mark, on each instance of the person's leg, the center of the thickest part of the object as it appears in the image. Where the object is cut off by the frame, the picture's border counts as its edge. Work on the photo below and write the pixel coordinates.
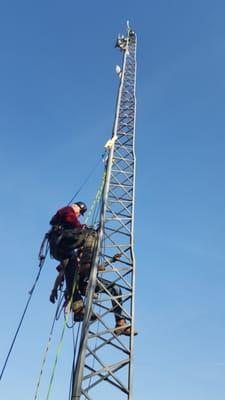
(115, 291)
(71, 276)
(122, 328)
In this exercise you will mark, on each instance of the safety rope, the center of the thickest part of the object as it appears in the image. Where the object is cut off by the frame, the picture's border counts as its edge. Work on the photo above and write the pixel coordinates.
(92, 211)
(96, 199)
(102, 159)
(44, 251)
(42, 256)
(58, 350)
(96, 213)
(48, 346)
(58, 312)
(67, 324)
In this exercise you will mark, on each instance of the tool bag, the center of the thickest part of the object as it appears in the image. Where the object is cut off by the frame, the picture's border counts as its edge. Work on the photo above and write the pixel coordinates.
(63, 242)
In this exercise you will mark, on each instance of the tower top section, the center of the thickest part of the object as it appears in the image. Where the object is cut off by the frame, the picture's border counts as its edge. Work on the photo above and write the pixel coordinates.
(122, 42)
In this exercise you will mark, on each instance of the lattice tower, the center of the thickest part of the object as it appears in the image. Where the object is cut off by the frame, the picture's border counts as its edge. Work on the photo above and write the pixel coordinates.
(104, 363)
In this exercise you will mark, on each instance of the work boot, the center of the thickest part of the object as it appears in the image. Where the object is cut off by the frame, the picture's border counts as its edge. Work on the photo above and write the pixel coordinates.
(122, 328)
(101, 268)
(79, 316)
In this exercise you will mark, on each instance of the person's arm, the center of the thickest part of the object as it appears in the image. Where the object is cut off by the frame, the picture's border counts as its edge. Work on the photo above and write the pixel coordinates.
(54, 219)
(58, 282)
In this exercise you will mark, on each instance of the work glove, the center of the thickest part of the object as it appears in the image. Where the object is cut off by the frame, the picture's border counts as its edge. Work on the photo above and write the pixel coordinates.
(53, 296)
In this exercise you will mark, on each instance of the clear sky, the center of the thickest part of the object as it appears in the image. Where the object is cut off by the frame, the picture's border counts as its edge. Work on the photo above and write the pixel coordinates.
(57, 96)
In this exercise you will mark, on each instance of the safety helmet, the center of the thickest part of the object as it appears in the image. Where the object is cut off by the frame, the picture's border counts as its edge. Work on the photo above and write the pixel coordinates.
(82, 206)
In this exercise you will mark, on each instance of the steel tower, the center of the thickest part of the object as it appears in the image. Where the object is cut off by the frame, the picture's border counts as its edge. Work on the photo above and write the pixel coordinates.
(103, 366)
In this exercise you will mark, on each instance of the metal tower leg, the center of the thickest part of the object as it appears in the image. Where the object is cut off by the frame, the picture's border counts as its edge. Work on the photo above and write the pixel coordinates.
(105, 358)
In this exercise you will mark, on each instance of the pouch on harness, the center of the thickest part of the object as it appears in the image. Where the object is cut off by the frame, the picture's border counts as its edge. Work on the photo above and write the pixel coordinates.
(62, 241)
(86, 257)
(90, 241)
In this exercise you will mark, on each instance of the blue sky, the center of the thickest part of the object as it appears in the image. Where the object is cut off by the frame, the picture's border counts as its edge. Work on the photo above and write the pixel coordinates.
(57, 98)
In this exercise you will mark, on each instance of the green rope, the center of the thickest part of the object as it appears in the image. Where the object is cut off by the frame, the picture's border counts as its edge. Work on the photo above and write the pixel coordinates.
(96, 199)
(46, 350)
(59, 347)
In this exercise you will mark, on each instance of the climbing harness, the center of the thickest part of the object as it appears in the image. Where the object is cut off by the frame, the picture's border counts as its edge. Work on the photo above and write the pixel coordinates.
(63, 242)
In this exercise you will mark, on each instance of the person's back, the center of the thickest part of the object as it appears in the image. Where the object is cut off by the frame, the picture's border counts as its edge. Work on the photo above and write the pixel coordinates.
(66, 234)
(68, 217)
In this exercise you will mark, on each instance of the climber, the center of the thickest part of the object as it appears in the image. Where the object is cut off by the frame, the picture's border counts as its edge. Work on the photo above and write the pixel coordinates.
(66, 236)
(103, 285)
(66, 233)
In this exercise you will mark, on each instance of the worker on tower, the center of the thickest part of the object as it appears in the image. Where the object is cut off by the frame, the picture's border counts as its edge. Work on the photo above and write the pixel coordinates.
(73, 244)
(66, 232)
(65, 237)
(103, 285)
(68, 216)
